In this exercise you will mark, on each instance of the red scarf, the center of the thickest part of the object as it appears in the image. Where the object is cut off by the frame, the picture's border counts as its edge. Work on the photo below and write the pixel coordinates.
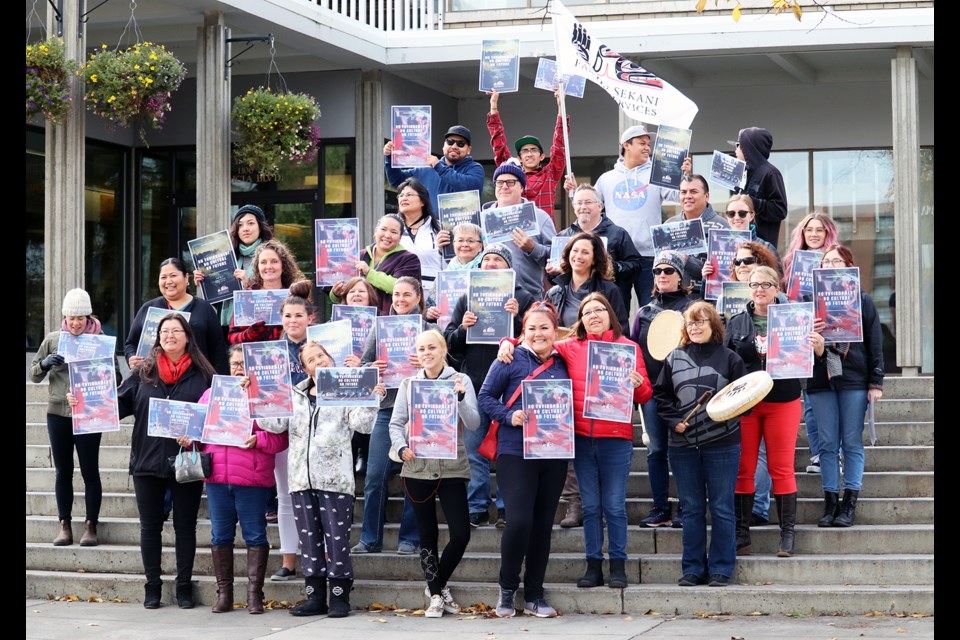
(170, 372)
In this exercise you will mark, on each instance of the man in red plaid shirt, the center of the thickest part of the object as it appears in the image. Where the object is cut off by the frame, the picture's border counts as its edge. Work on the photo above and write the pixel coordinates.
(542, 178)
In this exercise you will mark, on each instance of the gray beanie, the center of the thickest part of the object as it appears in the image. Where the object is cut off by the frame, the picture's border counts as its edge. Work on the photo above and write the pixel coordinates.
(673, 258)
(77, 303)
(501, 250)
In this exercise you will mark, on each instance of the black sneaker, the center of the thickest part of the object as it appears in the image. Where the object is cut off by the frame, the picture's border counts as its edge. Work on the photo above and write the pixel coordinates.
(677, 519)
(479, 519)
(658, 517)
(501, 518)
(717, 580)
(690, 580)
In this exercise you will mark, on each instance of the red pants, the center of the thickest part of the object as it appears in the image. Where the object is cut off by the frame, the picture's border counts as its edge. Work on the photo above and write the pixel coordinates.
(777, 423)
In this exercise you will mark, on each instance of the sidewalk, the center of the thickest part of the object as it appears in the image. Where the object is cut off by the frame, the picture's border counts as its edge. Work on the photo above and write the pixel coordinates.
(50, 620)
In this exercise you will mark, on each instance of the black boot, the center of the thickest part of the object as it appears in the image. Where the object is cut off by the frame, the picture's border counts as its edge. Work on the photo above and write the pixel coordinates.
(151, 595)
(618, 574)
(340, 597)
(743, 510)
(831, 507)
(787, 513)
(316, 604)
(848, 509)
(594, 575)
(185, 596)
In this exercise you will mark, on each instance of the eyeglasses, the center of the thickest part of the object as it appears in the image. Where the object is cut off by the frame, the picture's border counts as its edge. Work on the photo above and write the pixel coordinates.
(500, 184)
(456, 143)
(466, 241)
(761, 285)
(664, 270)
(595, 312)
(411, 194)
(171, 332)
(733, 214)
(530, 152)
(836, 262)
(748, 260)
(236, 366)
(695, 323)
(584, 203)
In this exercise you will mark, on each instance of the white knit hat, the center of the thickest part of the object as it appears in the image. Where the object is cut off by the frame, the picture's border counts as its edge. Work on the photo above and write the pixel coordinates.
(77, 303)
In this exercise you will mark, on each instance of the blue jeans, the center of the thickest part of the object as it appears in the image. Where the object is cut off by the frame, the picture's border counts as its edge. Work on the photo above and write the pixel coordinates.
(643, 285)
(232, 503)
(603, 466)
(813, 435)
(478, 489)
(379, 469)
(700, 472)
(762, 484)
(657, 466)
(840, 420)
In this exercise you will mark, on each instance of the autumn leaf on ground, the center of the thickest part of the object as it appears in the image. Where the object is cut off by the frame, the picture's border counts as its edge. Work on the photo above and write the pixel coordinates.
(628, 618)
(94, 599)
(417, 612)
(901, 630)
(756, 613)
(874, 614)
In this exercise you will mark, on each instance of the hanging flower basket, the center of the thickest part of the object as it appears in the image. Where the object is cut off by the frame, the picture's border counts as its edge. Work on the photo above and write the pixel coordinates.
(275, 128)
(48, 80)
(133, 85)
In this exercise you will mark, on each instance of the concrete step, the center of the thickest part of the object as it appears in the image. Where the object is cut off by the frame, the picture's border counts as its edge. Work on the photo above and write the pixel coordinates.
(899, 484)
(635, 599)
(810, 539)
(661, 568)
(36, 433)
(809, 510)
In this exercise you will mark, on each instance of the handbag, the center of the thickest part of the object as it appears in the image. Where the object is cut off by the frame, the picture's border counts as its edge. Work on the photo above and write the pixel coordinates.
(191, 465)
(488, 448)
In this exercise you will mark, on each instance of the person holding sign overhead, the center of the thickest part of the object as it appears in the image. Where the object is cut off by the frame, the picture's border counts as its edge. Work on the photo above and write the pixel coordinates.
(846, 376)
(456, 171)
(77, 320)
(173, 281)
(542, 178)
(175, 369)
(424, 479)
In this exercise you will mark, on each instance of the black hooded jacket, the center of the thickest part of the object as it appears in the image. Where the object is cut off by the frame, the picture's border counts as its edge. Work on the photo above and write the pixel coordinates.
(764, 183)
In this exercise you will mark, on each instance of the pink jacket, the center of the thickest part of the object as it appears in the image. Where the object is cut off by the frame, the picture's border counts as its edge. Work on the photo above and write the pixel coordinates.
(574, 353)
(245, 467)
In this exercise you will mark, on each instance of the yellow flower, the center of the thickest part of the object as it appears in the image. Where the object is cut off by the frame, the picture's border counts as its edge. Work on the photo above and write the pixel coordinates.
(103, 46)
(153, 56)
(136, 66)
(111, 98)
(93, 78)
(149, 81)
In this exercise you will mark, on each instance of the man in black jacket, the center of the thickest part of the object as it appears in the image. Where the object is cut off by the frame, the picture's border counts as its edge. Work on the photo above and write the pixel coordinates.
(623, 253)
(764, 182)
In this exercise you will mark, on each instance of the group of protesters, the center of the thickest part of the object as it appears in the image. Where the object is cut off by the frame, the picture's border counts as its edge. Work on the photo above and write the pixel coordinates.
(728, 467)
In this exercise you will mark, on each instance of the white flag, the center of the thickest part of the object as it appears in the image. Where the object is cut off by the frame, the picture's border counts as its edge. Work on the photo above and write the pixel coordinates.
(642, 95)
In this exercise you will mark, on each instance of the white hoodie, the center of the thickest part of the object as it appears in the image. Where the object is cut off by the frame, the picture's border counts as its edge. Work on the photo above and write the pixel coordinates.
(633, 203)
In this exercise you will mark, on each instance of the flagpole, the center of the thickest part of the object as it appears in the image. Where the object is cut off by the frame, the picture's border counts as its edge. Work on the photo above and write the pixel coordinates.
(563, 106)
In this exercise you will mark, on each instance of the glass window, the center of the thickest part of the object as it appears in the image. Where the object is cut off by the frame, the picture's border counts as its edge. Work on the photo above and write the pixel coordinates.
(104, 234)
(35, 331)
(156, 231)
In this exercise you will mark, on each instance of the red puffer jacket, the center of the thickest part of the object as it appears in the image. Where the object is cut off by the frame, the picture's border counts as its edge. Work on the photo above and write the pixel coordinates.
(574, 352)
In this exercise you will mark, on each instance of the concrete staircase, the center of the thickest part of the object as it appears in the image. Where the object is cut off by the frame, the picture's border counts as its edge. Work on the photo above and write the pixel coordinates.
(884, 563)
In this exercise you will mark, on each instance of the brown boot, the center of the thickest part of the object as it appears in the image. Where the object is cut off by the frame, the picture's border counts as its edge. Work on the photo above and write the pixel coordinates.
(256, 570)
(89, 537)
(223, 569)
(65, 537)
(574, 515)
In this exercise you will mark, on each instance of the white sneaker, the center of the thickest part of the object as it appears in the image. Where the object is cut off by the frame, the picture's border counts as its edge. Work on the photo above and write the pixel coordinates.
(449, 604)
(435, 610)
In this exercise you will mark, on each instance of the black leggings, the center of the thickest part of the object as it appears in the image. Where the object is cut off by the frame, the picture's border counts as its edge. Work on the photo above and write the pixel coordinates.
(186, 503)
(531, 491)
(62, 443)
(452, 493)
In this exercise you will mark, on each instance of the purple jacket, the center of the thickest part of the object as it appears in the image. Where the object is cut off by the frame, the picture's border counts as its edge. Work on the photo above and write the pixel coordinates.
(245, 467)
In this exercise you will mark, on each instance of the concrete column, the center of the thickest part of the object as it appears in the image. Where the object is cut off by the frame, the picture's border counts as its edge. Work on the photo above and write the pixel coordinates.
(213, 126)
(368, 197)
(906, 212)
(65, 176)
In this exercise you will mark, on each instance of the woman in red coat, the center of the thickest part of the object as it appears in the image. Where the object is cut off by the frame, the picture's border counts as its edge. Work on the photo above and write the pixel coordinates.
(604, 448)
